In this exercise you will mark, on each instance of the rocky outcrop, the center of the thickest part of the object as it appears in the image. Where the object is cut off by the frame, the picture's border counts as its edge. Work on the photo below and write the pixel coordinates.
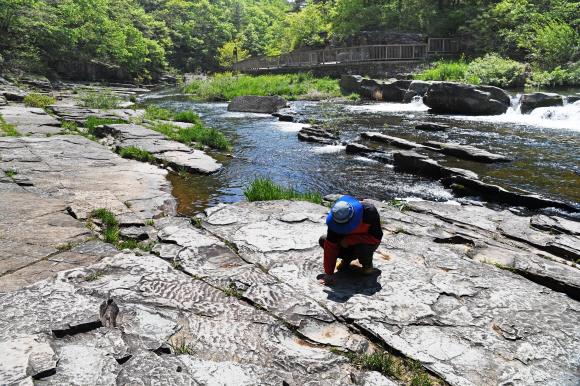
(461, 98)
(466, 152)
(426, 299)
(540, 99)
(257, 104)
(79, 115)
(14, 96)
(371, 88)
(351, 83)
(92, 72)
(416, 163)
(416, 88)
(394, 90)
(316, 134)
(30, 120)
(431, 127)
(390, 140)
(358, 148)
(177, 155)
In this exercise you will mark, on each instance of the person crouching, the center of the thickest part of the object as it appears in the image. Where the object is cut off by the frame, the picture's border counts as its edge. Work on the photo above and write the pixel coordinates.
(354, 232)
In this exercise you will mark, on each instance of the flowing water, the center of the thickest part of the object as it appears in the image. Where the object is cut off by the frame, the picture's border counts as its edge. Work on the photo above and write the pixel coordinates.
(545, 145)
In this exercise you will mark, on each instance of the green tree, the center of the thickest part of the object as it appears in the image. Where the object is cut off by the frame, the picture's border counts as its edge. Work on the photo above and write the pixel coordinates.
(227, 56)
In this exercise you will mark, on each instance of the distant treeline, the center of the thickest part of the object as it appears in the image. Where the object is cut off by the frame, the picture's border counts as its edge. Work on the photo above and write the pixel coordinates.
(155, 35)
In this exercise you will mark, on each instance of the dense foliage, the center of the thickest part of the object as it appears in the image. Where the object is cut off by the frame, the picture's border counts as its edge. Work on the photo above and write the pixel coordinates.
(140, 35)
(192, 35)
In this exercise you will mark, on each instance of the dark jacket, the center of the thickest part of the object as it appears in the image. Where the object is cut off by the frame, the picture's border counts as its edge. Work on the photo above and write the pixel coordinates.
(368, 231)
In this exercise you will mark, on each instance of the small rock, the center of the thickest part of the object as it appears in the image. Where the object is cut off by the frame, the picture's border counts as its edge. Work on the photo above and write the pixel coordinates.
(540, 99)
(431, 127)
(358, 148)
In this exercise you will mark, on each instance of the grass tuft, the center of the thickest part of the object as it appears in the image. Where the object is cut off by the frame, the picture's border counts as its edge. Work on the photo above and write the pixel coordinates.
(402, 206)
(231, 290)
(262, 188)
(7, 130)
(181, 347)
(186, 116)
(66, 246)
(155, 113)
(92, 122)
(138, 154)
(199, 134)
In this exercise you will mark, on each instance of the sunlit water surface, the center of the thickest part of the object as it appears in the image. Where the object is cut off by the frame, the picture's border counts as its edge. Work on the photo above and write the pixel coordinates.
(544, 144)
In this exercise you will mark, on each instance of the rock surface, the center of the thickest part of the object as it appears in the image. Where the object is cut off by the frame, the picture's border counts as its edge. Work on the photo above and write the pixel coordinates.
(314, 134)
(540, 99)
(177, 155)
(257, 104)
(358, 148)
(461, 98)
(30, 120)
(390, 140)
(416, 163)
(431, 127)
(79, 115)
(466, 152)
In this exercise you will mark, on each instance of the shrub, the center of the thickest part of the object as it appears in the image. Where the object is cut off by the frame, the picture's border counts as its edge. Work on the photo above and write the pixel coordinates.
(554, 44)
(445, 70)
(38, 100)
(101, 99)
(495, 71)
(264, 189)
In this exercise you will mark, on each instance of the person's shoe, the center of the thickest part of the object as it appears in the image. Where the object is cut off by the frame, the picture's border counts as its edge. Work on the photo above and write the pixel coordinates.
(342, 265)
(367, 269)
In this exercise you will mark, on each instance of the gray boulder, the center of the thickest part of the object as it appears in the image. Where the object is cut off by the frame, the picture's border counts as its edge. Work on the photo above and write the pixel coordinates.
(371, 88)
(358, 148)
(416, 88)
(257, 104)
(540, 99)
(14, 96)
(461, 98)
(351, 83)
(395, 91)
(573, 98)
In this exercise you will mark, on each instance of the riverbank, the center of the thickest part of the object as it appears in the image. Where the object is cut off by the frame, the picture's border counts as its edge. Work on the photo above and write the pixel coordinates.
(461, 294)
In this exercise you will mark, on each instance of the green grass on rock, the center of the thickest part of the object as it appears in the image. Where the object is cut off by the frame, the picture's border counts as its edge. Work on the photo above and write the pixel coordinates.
(262, 188)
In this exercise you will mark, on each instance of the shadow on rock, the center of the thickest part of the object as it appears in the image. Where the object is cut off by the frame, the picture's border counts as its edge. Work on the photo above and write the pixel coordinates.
(351, 283)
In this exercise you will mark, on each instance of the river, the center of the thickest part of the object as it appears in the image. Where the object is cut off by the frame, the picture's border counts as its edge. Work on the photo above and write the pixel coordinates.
(545, 145)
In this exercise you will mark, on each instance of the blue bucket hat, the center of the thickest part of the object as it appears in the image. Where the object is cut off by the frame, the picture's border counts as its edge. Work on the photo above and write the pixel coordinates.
(345, 215)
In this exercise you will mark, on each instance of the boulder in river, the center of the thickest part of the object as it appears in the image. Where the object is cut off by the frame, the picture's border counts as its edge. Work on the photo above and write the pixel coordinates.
(394, 91)
(431, 127)
(466, 152)
(358, 148)
(392, 141)
(315, 134)
(416, 88)
(573, 98)
(351, 83)
(257, 104)
(371, 88)
(461, 98)
(540, 99)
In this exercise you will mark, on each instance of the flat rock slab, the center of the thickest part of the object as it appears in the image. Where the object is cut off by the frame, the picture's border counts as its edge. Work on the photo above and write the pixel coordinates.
(257, 104)
(392, 141)
(175, 154)
(87, 176)
(466, 152)
(471, 323)
(431, 127)
(359, 148)
(78, 114)
(107, 328)
(416, 163)
(30, 120)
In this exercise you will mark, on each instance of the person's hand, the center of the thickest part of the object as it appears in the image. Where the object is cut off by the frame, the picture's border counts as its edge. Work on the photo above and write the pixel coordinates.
(327, 280)
(343, 243)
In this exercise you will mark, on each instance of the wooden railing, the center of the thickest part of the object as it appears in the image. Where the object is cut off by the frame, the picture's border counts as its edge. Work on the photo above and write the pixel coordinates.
(374, 53)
